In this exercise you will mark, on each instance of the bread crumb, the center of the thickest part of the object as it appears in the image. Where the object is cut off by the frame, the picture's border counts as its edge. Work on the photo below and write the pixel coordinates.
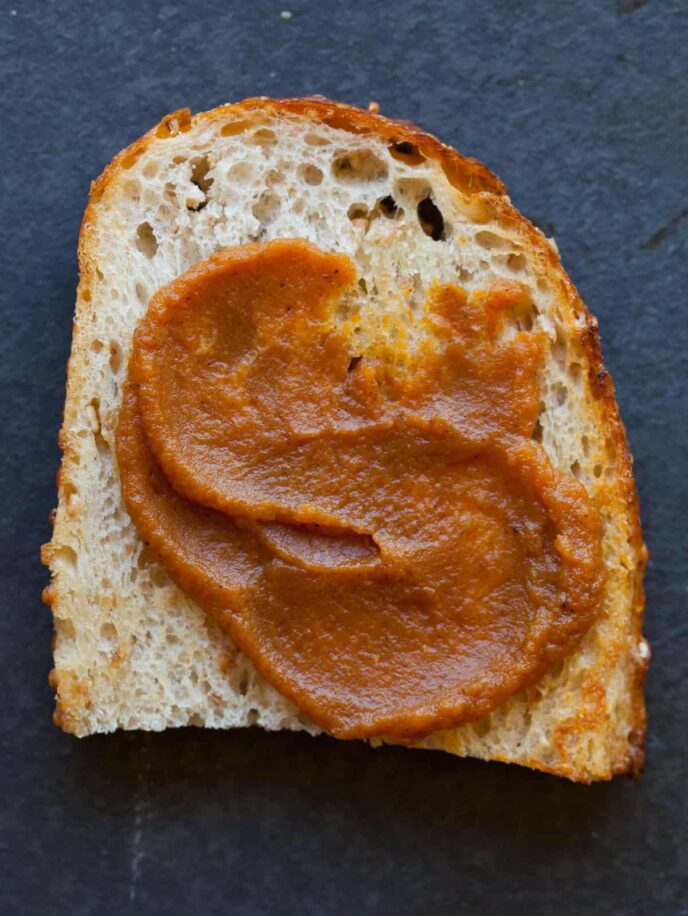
(286, 14)
(374, 107)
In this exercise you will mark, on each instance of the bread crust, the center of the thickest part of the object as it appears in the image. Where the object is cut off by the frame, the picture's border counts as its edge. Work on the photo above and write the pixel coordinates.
(477, 185)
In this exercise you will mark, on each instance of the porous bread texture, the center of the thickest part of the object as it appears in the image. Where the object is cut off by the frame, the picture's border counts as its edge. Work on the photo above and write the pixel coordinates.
(131, 650)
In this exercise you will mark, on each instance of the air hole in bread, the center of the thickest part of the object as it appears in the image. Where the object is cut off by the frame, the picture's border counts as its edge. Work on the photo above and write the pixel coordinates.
(357, 211)
(597, 470)
(93, 415)
(311, 174)
(576, 470)
(411, 190)
(265, 137)
(585, 444)
(70, 494)
(96, 345)
(241, 172)
(65, 556)
(179, 122)
(108, 631)
(67, 629)
(482, 726)
(115, 357)
(353, 362)
(200, 167)
(362, 285)
(431, 219)
(388, 206)
(243, 684)
(561, 394)
(141, 293)
(266, 208)
(159, 577)
(537, 432)
(133, 190)
(146, 241)
(252, 717)
(144, 559)
(101, 444)
(404, 151)
(95, 424)
(130, 159)
(575, 371)
(517, 263)
(491, 242)
(316, 140)
(234, 128)
(151, 169)
(359, 166)
(559, 350)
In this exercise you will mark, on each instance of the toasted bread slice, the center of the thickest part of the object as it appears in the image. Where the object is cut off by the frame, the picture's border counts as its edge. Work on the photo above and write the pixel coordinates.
(132, 650)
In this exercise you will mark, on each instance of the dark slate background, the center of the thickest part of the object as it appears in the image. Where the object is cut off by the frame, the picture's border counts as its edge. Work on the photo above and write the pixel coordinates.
(581, 107)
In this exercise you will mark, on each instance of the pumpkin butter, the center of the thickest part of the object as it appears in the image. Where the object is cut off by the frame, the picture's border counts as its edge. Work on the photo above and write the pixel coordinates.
(376, 528)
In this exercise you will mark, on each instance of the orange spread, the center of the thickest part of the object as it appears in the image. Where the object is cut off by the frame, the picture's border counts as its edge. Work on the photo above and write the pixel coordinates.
(377, 529)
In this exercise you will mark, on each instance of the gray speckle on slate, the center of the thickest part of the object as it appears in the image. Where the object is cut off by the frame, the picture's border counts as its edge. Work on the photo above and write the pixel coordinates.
(581, 108)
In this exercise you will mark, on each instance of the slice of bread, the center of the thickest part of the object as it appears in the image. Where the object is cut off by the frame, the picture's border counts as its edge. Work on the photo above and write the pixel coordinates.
(133, 651)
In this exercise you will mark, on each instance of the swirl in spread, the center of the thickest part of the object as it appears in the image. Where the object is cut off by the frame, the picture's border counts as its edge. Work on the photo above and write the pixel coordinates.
(377, 530)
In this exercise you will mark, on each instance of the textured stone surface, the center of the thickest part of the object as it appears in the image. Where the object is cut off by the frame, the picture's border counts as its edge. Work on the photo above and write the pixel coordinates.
(581, 109)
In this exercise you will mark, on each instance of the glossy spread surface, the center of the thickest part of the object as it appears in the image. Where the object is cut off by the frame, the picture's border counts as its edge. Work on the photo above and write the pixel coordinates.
(375, 527)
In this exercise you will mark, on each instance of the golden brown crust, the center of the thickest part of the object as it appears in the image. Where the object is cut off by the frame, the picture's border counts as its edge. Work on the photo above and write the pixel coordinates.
(474, 182)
